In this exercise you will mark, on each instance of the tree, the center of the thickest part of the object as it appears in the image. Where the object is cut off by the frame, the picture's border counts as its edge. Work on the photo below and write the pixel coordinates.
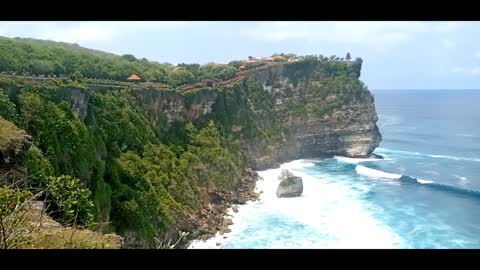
(41, 67)
(357, 66)
(235, 63)
(7, 108)
(74, 202)
(129, 57)
(75, 76)
(181, 76)
(348, 57)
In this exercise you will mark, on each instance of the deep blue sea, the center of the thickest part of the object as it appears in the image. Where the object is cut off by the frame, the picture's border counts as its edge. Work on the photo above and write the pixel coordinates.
(425, 193)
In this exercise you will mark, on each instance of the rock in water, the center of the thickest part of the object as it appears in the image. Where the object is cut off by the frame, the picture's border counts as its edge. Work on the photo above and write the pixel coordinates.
(290, 185)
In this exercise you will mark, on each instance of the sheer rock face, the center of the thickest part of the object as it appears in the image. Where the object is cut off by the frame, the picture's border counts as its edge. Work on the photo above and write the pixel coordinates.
(348, 130)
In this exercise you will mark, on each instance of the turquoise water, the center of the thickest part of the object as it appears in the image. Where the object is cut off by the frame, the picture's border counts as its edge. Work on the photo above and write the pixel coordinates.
(424, 194)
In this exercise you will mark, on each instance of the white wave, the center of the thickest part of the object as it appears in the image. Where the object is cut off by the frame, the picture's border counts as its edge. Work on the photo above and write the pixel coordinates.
(362, 170)
(467, 135)
(328, 205)
(455, 158)
(432, 172)
(356, 160)
(298, 164)
(384, 150)
(421, 181)
(365, 171)
(463, 179)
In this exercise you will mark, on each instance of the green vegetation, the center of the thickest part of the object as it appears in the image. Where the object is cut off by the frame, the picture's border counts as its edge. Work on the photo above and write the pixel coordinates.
(165, 181)
(39, 57)
(65, 140)
(7, 108)
(72, 203)
(127, 167)
(38, 168)
(8, 132)
(113, 166)
(19, 227)
(10, 199)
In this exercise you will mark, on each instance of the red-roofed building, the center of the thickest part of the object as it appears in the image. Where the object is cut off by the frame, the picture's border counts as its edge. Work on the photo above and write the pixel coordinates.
(133, 78)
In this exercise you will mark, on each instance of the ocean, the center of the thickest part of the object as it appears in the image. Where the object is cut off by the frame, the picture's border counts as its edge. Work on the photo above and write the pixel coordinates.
(424, 194)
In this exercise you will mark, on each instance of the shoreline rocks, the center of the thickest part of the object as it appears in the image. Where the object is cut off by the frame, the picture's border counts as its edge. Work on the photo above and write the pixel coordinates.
(212, 217)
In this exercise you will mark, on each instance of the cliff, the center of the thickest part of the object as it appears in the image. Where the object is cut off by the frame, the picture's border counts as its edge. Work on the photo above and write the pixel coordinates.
(151, 173)
(275, 117)
(318, 117)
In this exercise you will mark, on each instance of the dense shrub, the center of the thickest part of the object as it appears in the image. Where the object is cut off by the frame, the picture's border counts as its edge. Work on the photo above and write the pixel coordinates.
(73, 203)
(11, 199)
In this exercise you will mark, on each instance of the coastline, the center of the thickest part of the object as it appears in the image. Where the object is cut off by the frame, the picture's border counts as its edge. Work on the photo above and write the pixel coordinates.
(215, 216)
(235, 212)
(330, 220)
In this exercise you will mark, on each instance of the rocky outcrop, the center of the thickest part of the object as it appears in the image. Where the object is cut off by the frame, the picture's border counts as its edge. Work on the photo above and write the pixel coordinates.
(210, 218)
(34, 229)
(164, 108)
(290, 185)
(349, 129)
(77, 98)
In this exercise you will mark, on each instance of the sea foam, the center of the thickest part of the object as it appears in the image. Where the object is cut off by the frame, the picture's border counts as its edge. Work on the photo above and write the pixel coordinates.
(365, 171)
(330, 211)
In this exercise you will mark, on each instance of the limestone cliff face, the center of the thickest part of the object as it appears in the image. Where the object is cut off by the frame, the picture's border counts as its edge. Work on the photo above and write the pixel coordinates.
(307, 116)
(77, 99)
(163, 108)
(348, 130)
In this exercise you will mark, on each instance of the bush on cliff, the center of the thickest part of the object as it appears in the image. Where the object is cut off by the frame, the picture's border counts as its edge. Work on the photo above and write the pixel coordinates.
(7, 108)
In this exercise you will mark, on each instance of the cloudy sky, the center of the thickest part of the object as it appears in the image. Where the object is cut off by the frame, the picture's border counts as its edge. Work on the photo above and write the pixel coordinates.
(396, 55)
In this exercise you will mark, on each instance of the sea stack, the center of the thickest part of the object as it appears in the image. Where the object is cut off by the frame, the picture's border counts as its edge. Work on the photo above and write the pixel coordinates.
(290, 185)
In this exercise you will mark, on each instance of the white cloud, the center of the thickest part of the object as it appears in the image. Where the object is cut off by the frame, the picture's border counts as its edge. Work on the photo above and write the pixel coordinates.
(77, 32)
(477, 54)
(381, 35)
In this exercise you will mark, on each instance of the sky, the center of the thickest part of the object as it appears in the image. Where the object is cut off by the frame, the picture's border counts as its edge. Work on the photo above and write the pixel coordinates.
(396, 55)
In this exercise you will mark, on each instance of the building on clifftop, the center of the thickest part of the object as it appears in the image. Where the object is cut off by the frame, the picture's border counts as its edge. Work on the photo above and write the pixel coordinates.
(134, 78)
